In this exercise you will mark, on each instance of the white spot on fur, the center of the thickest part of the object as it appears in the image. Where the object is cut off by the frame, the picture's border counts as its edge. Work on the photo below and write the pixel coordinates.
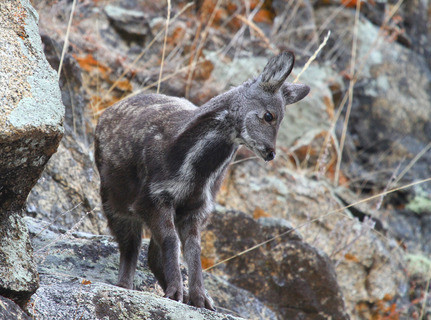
(181, 103)
(157, 106)
(222, 115)
(186, 105)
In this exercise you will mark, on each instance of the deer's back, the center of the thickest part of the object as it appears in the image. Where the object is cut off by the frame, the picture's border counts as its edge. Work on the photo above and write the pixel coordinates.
(139, 123)
(132, 140)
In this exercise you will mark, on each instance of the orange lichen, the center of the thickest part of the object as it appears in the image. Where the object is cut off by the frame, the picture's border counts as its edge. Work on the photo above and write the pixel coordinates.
(350, 3)
(88, 63)
(351, 257)
(264, 16)
(260, 213)
(207, 262)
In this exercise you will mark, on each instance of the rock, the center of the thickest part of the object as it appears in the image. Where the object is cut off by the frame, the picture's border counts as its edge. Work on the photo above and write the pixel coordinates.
(411, 228)
(30, 130)
(19, 278)
(368, 266)
(228, 74)
(10, 310)
(233, 300)
(62, 297)
(419, 266)
(65, 256)
(80, 254)
(389, 130)
(409, 26)
(77, 119)
(31, 115)
(131, 24)
(68, 190)
(296, 280)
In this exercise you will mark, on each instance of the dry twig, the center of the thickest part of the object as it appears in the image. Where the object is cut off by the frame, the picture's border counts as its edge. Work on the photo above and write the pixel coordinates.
(66, 39)
(164, 45)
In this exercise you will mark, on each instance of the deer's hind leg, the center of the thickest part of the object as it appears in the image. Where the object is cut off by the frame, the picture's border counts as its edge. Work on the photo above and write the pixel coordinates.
(155, 262)
(128, 233)
(164, 252)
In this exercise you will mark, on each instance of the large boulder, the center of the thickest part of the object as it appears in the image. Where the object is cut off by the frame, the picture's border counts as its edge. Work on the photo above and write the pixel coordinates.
(32, 111)
(295, 279)
(31, 119)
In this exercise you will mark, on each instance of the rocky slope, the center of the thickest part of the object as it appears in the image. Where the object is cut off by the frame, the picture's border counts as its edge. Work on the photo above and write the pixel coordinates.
(78, 272)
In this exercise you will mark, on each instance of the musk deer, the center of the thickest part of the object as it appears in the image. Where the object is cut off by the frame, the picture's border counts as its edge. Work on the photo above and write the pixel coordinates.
(161, 161)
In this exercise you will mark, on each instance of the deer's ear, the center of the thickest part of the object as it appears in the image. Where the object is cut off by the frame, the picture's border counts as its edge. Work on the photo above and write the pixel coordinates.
(293, 92)
(276, 71)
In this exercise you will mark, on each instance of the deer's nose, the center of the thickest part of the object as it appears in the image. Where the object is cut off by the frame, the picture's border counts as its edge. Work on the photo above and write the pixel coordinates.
(270, 155)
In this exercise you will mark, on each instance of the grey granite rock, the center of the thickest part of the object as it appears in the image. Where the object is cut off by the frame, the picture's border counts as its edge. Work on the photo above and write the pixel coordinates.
(31, 117)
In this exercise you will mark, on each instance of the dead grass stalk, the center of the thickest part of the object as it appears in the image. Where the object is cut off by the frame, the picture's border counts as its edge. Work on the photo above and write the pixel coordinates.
(350, 91)
(313, 57)
(66, 38)
(164, 45)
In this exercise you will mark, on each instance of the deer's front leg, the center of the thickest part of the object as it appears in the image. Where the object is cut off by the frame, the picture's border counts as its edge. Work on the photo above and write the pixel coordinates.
(164, 234)
(189, 231)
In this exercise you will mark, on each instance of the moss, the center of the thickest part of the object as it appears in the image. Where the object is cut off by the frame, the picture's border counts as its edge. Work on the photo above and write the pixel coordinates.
(420, 203)
(418, 265)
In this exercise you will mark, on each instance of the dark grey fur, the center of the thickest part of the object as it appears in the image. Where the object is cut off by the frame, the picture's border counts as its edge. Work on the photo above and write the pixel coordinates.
(161, 161)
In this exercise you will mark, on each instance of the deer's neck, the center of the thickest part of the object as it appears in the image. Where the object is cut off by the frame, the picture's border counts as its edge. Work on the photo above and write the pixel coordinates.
(206, 145)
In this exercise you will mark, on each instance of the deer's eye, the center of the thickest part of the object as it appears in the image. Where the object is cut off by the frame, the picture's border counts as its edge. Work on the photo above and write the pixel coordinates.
(268, 117)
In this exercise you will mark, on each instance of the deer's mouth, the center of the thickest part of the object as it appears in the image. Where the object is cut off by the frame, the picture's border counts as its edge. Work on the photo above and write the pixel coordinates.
(266, 154)
(270, 155)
